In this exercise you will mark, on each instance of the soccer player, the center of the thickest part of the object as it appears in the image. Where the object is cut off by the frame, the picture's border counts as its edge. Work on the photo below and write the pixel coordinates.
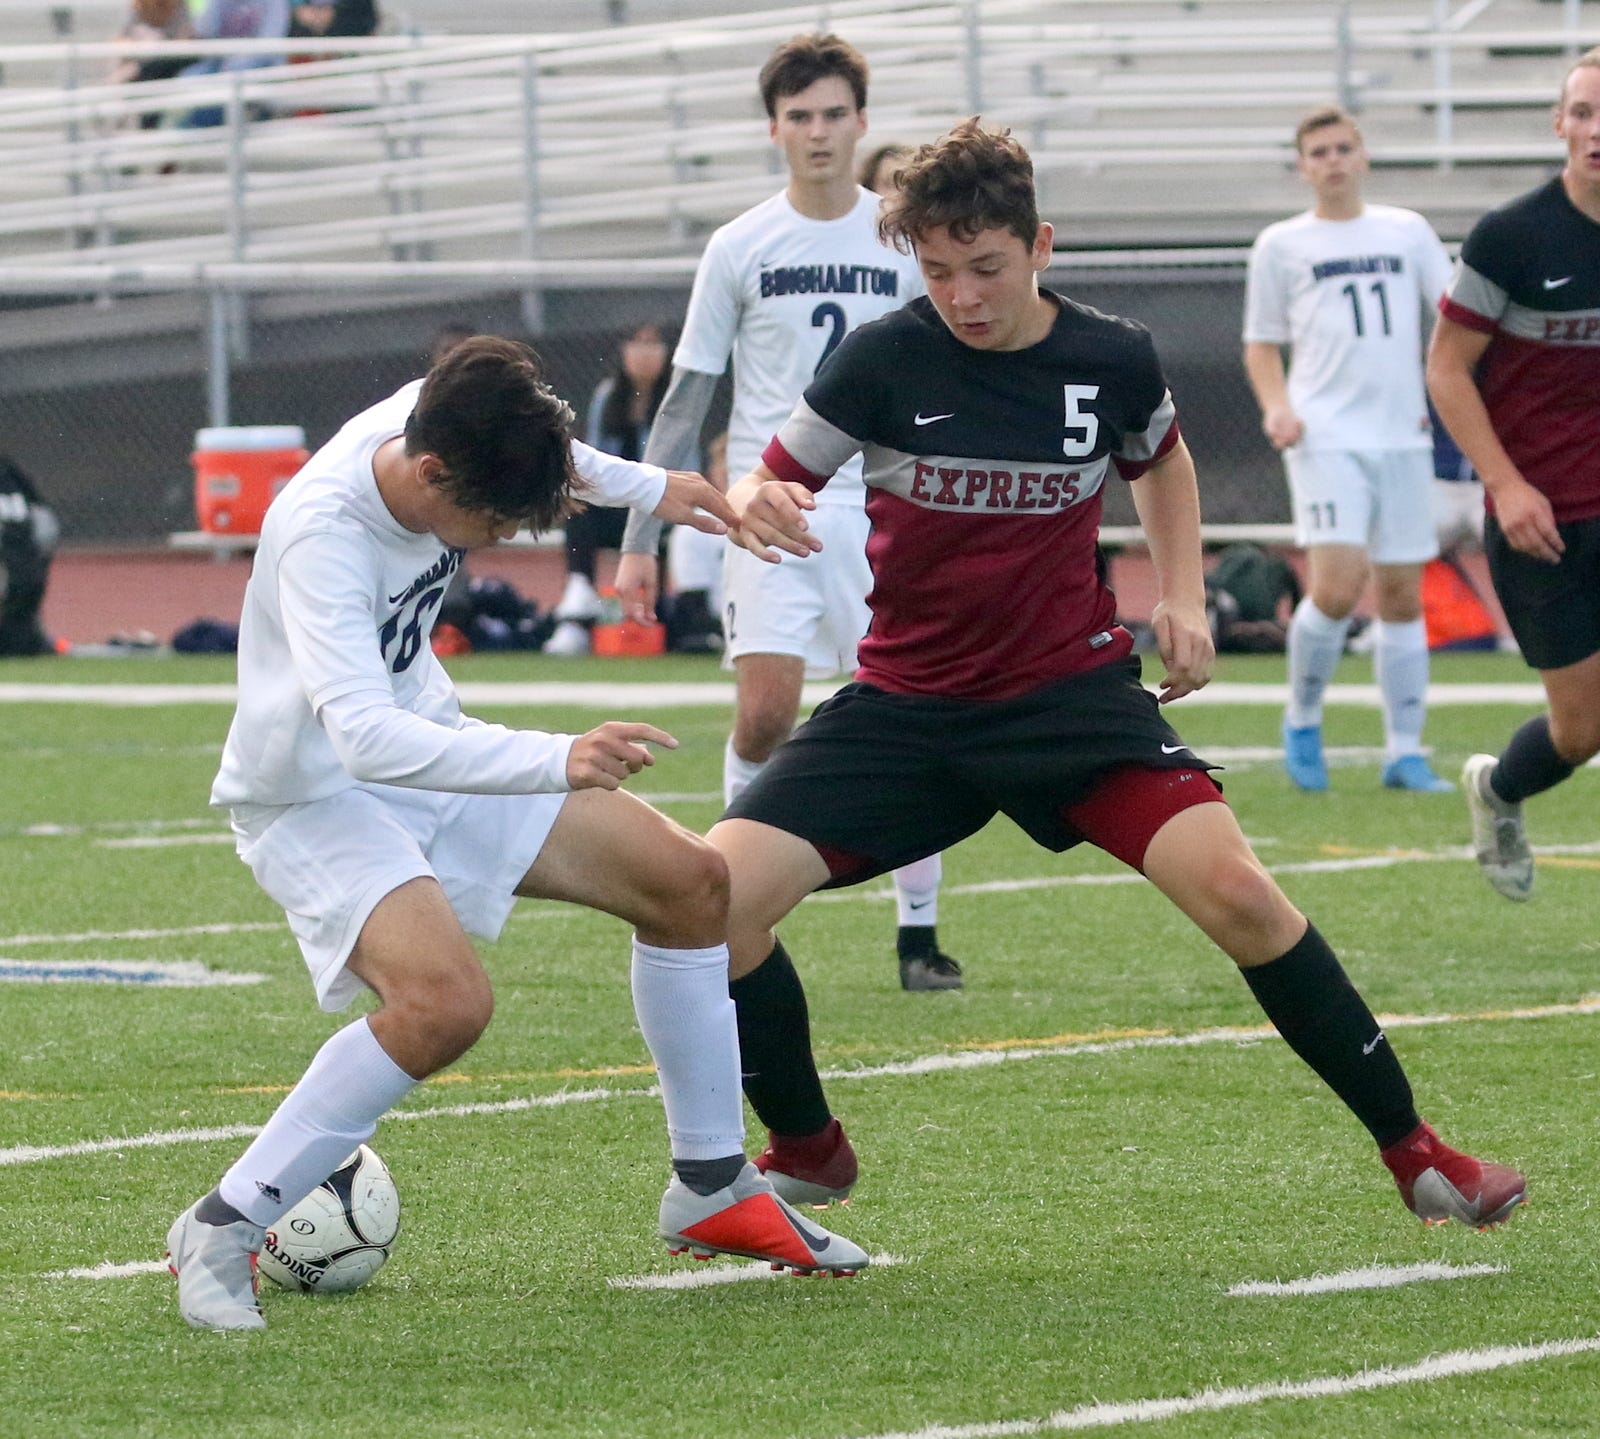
(1514, 370)
(387, 824)
(1344, 285)
(995, 678)
(777, 289)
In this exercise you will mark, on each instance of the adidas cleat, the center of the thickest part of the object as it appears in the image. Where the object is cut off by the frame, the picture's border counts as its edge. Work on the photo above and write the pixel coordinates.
(747, 1218)
(814, 1169)
(215, 1265)
(1439, 1183)
(1498, 841)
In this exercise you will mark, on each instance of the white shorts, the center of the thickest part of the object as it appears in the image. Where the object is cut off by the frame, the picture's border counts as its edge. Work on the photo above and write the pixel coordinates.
(814, 608)
(1379, 500)
(329, 862)
(1458, 512)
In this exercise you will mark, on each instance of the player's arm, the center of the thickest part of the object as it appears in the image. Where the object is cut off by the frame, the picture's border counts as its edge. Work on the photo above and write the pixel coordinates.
(772, 501)
(675, 443)
(772, 515)
(1523, 513)
(1263, 364)
(1167, 499)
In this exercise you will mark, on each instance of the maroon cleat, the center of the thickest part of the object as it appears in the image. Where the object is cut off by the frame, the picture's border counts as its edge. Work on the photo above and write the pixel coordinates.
(814, 1169)
(1440, 1183)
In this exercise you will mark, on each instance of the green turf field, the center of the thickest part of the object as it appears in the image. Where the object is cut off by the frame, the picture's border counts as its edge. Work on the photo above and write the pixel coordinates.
(1071, 1163)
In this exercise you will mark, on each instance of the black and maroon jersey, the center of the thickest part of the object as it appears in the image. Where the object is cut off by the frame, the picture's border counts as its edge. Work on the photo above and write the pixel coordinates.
(1530, 277)
(984, 472)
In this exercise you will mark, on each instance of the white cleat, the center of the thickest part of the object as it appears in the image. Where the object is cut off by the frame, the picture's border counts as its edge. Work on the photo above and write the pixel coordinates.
(216, 1269)
(748, 1218)
(1498, 839)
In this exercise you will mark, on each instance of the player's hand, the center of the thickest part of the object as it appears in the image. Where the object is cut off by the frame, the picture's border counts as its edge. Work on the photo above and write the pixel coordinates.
(1527, 521)
(774, 519)
(638, 586)
(607, 755)
(1183, 640)
(1282, 427)
(692, 499)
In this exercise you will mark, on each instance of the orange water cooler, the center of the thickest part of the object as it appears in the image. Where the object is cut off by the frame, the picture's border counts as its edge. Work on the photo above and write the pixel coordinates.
(238, 471)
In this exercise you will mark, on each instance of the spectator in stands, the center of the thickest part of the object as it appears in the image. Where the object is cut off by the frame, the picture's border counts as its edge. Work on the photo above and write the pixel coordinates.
(337, 20)
(153, 20)
(879, 168)
(1343, 285)
(1515, 371)
(620, 414)
(234, 20)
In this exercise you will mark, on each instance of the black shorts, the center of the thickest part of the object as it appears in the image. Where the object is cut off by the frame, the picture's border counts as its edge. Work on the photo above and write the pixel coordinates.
(875, 780)
(1553, 610)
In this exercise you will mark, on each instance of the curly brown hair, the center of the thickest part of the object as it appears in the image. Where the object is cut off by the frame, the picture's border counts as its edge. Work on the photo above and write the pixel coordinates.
(503, 436)
(968, 181)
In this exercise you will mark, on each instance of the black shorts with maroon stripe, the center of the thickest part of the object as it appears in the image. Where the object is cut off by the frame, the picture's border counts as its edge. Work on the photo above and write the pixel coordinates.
(875, 780)
(1553, 610)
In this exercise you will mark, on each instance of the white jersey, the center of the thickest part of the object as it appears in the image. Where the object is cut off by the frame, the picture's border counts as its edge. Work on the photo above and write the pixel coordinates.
(778, 291)
(337, 680)
(1347, 296)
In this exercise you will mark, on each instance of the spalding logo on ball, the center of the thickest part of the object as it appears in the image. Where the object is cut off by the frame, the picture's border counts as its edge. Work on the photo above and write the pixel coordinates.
(339, 1235)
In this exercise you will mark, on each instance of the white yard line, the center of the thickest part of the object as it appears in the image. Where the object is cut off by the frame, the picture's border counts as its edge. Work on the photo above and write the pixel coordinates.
(1009, 1052)
(95, 936)
(110, 1270)
(1378, 1276)
(145, 973)
(612, 696)
(165, 841)
(1452, 1365)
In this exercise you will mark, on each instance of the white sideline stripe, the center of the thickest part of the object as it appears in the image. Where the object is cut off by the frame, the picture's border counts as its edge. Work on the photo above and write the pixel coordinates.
(165, 841)
(603, 695)
(1379, 1276)
(93, 936)
(708, 1274)
(54, 831)
(1451, 1365)
(928, 1064)
(109, 1270)
(156, 974)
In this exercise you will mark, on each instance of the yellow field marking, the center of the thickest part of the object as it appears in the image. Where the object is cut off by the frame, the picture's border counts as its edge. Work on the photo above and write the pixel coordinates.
(29, 1094)
(1061, 1040)
(456, 1077)
(1557, 861)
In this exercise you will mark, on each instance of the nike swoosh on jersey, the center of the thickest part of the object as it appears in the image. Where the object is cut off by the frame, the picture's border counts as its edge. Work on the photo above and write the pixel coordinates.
(1557, 284)
(922, 419)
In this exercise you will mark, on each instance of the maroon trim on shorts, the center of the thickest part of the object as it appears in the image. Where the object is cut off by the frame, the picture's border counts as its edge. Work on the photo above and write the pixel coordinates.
(1123, 812)
(845, 866)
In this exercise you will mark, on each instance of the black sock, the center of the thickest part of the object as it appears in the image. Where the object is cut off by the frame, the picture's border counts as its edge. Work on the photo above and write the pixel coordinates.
(916, 941)
(780, 1075)
(214, 1209)
(1310, 1000)
(707, 1176)
(1529, 765)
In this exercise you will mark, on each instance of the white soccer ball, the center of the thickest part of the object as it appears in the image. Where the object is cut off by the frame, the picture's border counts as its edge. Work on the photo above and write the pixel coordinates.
(337, 1237)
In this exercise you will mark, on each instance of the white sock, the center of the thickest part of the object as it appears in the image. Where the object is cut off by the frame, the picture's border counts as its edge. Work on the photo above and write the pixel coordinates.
(351, 1084)
(1400, 658)
(916, 890)
(1315, 646)
(737, 774)
(687, 1018)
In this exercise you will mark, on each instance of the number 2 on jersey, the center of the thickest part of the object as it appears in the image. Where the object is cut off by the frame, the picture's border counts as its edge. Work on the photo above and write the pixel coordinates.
(829, 314)
(411, 635)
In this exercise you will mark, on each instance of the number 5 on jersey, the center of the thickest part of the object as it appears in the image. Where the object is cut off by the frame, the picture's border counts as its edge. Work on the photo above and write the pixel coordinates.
(1082, 426)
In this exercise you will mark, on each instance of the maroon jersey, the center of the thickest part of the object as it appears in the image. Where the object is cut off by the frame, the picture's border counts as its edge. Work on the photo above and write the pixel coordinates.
(1530, 278)
(984, 472)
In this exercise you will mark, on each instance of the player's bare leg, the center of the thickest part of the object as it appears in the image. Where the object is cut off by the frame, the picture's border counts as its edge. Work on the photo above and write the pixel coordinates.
(1200, 859)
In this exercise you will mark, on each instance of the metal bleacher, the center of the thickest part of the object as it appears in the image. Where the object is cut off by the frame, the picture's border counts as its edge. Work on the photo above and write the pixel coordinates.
(1151, 123)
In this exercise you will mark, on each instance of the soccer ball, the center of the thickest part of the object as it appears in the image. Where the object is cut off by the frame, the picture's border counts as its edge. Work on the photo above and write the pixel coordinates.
(338, 1236)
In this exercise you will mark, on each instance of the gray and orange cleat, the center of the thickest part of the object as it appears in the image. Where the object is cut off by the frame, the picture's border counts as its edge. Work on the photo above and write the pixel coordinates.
(1499, 842)
(812, 1169)
(1439, 1183)
(216, 1269)
(748, 1218)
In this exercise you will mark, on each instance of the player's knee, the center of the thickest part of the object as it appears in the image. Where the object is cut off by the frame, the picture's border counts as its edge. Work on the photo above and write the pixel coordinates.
(1576, 737)
(689, 905)
(444, 1013)
(757, 732)
(1243, 896)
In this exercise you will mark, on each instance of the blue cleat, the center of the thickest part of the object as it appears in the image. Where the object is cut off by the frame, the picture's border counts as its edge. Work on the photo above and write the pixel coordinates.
(1413, 772)
(1302, 757)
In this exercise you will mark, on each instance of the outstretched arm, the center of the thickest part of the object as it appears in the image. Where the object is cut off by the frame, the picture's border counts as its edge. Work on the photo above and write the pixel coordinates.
(1167, 498)
(1263, 364)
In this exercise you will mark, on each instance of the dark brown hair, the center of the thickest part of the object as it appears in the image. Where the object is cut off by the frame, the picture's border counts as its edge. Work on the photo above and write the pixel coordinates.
(875, 161)
(503, 436)
(799, 63)
(969, 181)
(1320, 119)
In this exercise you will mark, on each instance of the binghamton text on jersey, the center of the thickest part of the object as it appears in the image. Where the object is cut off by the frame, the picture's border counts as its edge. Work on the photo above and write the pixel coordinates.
(984, 473)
